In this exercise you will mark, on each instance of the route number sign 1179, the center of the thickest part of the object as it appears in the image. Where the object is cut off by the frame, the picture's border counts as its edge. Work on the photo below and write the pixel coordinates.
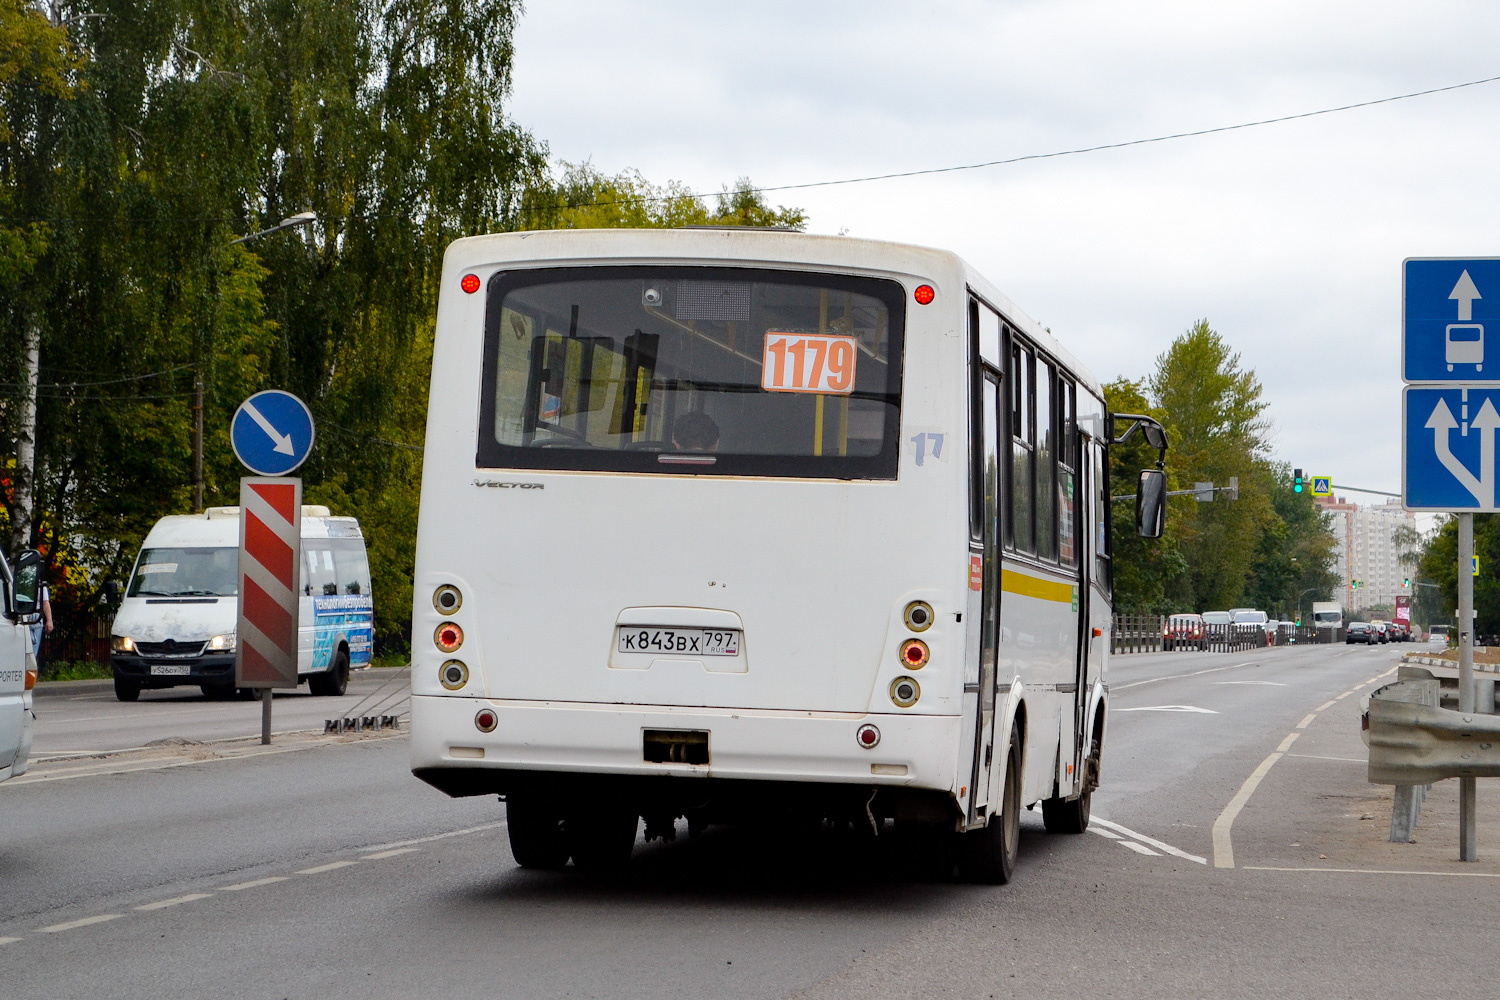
(808, 362)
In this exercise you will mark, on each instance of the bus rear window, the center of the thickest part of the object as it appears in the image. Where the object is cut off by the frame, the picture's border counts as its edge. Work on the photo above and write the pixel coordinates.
(710, 371)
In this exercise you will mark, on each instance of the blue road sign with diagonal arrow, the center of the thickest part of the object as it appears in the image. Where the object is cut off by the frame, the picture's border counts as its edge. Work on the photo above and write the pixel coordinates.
(1449, 436)
(272, 433)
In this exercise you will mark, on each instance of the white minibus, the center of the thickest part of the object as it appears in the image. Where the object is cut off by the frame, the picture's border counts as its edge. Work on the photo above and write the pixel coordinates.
(722, 523)
(176, 623)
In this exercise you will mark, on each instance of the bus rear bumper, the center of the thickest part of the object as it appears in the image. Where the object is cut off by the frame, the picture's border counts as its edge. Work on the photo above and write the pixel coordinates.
(450, 752)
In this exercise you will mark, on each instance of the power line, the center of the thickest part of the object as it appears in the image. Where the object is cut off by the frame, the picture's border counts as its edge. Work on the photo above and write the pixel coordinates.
(926, 171)
(84, 385)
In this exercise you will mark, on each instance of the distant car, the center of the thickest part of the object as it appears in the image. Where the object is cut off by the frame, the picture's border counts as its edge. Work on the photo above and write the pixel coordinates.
(1399, 632)
(1360, 632)
(1184, 632)
(1437, 639)
(1380, 631)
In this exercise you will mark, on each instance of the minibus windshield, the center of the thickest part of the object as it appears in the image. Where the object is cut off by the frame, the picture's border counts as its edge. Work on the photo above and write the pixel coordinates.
(712, 371)
(186, 572)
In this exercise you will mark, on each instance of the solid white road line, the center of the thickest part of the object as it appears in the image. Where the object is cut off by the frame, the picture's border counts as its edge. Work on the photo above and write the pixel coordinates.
(253, 885)
(1137, 848)
(1167, 848)
(1274, 684)
(436, 836)
(390, 854)
(320, 869)
(1314, 756)
(1372, 871)
(1169, 708)
(1174, 677)
(9, 940)
(82, 922)
(1103, 832)
(1286, 744)
(175, 901)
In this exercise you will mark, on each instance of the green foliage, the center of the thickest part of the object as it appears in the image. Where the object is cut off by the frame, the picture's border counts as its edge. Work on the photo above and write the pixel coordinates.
(73, 670)
(585, 198)
(139, 141)
(1263, 549)
(1438, 564)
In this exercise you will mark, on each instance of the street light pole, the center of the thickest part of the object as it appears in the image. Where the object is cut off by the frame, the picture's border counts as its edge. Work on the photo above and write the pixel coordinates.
(300, 219)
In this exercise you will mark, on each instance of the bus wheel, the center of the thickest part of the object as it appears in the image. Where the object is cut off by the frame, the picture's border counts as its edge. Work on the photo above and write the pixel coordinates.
(1064, 816)
(602, 839)
(127, 690)
(336, 681)
(217, 692)
(536, 833)
(989, 855)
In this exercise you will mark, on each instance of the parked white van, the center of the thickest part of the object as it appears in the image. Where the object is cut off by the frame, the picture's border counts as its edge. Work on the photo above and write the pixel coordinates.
(176, 622)
(17, 665)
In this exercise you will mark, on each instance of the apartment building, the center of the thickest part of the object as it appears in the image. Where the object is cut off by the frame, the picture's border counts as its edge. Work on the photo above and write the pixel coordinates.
(1366, 550)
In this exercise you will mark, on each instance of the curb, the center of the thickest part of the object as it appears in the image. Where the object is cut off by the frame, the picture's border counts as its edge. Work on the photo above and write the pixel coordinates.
(53, 689)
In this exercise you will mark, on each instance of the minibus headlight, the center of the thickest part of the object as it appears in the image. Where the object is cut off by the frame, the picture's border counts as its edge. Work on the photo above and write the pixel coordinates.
(905, 692)
(222, 643)
(448, 637)
(914, 654)
(454, 674)
(919, 616)
(122, 644)
(447, 599)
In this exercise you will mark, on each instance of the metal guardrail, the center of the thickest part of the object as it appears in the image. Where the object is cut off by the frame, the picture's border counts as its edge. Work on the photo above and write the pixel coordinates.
(1415, 741)
(1136, 633)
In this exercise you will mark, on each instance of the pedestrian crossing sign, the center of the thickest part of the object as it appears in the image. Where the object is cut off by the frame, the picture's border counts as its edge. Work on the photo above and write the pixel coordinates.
(1322, 486)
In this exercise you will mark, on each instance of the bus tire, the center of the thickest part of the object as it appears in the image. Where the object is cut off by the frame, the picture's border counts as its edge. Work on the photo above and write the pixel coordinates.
(127, 690)
(217, 692)
(988, 855)
(601, 840)
(537, 839)
(1066, 815)
(335, 681)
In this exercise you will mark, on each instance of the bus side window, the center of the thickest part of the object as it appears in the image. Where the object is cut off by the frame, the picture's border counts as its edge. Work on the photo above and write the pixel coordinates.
(318, 575)
(1022, 363)
(1067, 468)
(1046, 462)
(352, 565)
(1101, 517)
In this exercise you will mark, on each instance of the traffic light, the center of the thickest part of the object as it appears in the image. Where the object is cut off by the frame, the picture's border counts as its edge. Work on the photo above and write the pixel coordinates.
(1296, 480)
(1406, 584)
(1299, 621)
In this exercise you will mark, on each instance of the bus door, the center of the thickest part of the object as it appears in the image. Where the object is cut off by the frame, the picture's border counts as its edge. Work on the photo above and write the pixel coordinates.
(985, 545)
(1075, 489)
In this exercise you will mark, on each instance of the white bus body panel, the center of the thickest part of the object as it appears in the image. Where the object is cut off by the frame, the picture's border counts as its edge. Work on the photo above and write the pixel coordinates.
(818, 571)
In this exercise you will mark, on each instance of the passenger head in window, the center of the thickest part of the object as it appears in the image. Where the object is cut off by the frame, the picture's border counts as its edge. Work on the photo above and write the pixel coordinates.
(695, 431)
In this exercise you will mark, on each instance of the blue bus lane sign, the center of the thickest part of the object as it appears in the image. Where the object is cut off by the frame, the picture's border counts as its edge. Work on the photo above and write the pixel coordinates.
(1448, 438)
(1450, 315)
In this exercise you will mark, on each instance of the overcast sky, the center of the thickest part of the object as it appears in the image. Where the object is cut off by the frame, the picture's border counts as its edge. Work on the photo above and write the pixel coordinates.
(1288, 238)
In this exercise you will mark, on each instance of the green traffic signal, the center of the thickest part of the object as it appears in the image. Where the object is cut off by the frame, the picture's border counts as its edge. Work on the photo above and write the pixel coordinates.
(1296, 480)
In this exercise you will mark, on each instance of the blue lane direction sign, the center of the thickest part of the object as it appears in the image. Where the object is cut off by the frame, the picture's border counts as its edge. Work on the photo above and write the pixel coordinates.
(1451, 320)
(272, 433)
(1448, 445)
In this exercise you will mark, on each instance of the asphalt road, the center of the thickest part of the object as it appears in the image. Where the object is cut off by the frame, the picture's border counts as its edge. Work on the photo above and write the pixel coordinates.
(330, 872)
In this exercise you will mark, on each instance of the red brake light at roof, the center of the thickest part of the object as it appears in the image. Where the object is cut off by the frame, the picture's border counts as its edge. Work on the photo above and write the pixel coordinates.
(470, 283)
(924, 294)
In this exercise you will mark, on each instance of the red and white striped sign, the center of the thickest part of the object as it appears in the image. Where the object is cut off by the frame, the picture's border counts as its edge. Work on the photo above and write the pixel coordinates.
(270, 563)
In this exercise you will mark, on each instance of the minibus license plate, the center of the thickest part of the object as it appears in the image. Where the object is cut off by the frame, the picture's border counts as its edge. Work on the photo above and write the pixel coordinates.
(688, 641)
(171, 669)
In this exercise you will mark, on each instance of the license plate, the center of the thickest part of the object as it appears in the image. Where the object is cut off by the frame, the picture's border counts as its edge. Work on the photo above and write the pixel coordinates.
(687, 641)
(171, 669)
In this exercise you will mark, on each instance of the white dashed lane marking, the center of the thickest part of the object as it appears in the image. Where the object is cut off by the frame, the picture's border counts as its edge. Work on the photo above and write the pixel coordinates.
(257, 883)
(390, 854)
(162, 904)
(1168, 708)
(331, 866)
(81, 922)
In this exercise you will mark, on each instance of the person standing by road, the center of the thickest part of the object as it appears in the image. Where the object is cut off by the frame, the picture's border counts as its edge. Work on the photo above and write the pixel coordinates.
(44, 626)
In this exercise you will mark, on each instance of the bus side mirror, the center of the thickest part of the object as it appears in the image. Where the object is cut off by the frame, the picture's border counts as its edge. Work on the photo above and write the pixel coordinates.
(28, 573)
(112, 593)
(1151, 503)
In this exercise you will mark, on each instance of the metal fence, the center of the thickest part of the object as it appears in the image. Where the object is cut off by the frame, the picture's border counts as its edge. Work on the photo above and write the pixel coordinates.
(1136, 633)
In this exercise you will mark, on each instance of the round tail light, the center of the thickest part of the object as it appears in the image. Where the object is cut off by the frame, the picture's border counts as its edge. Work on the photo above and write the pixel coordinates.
(470, 283)
(919, 616)
(447, 599)
(914, 654)
(924, 295)
(867, 736)
(448, 637)
(905, 691)
(454, 674)
(485, 720)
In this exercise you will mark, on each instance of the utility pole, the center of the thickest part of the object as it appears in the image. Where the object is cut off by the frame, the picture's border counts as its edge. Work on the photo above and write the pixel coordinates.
(1468, 848)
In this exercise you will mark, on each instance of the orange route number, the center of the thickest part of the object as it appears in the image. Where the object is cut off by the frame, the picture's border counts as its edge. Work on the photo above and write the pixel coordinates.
(808, 362)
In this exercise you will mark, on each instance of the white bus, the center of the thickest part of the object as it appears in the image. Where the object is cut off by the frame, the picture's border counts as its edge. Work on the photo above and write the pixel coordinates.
(719, 523)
